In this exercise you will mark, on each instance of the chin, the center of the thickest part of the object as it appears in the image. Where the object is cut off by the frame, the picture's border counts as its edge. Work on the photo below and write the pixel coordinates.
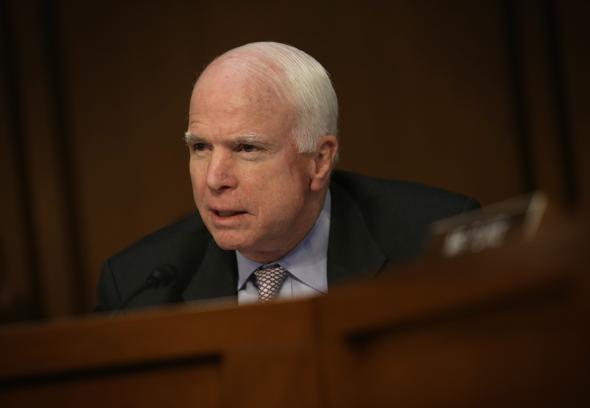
(229, 243)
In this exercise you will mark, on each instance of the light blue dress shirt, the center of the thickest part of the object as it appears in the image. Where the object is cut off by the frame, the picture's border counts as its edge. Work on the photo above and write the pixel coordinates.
(307, 265)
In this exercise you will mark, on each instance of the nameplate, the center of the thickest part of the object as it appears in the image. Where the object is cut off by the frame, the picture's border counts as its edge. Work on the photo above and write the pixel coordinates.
(517, 219)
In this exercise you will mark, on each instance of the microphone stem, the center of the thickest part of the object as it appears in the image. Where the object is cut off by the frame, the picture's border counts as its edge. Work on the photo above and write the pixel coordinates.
(134, 295)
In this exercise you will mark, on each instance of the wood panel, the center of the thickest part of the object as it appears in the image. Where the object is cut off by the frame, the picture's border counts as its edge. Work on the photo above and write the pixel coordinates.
(211, 356)
(503, 327)
(573, 16)
(17, 287)
(49, 256)
(506, 327)
(429, 97)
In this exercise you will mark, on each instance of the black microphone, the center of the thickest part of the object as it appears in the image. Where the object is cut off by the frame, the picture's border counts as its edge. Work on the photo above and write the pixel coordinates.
(160, 277)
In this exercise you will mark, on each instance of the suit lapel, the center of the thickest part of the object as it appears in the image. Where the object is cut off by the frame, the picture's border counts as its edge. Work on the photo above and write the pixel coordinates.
(216, 276)
(352, 252)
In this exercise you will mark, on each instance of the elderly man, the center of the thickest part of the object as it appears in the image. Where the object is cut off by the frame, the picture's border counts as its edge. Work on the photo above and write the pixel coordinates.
(273, 221)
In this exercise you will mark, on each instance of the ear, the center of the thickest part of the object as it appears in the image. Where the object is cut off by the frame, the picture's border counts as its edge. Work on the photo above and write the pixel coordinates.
(323, 162)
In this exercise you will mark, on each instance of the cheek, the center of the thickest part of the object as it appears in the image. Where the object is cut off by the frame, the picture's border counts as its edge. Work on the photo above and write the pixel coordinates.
(282, 196)
(197, 180)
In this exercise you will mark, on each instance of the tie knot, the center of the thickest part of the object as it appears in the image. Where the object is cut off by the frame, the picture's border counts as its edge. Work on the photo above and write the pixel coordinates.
(269, 279)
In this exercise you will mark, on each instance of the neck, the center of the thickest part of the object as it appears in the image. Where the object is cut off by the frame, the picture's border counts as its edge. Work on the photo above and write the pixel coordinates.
(304, 225)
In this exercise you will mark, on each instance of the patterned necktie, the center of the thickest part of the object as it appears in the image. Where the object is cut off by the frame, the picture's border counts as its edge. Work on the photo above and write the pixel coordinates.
(269, 279)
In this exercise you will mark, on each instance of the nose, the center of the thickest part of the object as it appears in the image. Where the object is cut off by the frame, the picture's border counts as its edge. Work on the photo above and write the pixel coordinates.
(220, 172)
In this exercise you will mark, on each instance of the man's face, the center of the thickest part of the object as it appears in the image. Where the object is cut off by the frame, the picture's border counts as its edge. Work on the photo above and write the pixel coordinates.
(250, 184)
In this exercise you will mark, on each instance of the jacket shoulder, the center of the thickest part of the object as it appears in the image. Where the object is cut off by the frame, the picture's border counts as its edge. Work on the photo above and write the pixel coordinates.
(397, 213)
(165, 243)
(181, 244)
(373, 193)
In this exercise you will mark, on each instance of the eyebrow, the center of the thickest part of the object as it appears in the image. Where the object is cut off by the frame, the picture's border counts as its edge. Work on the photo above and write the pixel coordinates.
(190, 138)
(247, 138)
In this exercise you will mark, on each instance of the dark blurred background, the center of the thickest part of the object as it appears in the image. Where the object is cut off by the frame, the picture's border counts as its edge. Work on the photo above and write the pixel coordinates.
(488, 98)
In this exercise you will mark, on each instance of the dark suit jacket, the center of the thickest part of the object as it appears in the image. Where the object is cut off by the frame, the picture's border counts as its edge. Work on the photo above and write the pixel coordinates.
(374, 223)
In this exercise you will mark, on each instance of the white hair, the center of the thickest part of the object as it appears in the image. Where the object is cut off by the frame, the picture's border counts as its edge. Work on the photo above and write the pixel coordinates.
(301, 80)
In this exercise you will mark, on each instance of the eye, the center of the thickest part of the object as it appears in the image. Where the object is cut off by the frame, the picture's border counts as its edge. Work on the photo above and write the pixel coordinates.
(199, 146)
(246, 148)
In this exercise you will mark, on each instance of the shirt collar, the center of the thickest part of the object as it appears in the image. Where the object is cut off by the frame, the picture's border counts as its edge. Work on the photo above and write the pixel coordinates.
(307, 262)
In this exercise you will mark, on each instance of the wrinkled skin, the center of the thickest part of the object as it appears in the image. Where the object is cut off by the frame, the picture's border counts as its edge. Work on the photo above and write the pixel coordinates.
(254, 191)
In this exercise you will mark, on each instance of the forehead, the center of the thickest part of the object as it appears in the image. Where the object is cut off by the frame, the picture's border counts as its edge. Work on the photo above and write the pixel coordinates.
(227, 98)
(231, 83)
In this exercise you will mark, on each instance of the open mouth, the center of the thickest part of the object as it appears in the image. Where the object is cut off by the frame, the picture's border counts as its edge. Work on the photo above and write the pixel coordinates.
(227, 214)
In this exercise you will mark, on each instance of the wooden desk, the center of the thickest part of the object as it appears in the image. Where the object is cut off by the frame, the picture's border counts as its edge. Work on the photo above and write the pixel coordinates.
(507, 327)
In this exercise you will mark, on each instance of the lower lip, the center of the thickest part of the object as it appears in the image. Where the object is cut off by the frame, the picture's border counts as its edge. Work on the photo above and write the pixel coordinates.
(230, 221)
